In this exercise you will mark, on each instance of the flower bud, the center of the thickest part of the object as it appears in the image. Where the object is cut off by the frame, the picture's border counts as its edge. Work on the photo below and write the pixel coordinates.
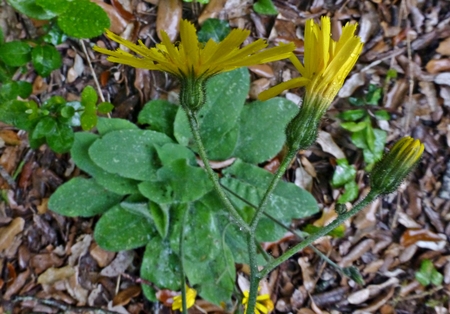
(393, 168)
(192, 93)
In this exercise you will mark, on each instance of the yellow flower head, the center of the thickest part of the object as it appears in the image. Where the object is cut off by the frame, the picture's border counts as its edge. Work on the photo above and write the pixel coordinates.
(191, 294)
(191, 59)
(393, 168)
(325, 66)
(264, 304)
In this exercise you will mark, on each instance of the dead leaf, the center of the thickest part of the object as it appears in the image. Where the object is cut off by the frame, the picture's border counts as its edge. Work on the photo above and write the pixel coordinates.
(52, 275)
(438, 65)
(102, 257)
(119, 264)
(8, 233)
(211, 10)
(444, 47)
(118, 22)
(124, 297)
(328, 145)
(168, 18)
(422, 238)
(10, 137)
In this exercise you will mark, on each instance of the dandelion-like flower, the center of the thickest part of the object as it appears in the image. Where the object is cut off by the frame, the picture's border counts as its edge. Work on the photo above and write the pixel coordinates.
(393, 168)
(326, 63)
(264, 304)
(191, 294)
(193, 62)
(325, 66)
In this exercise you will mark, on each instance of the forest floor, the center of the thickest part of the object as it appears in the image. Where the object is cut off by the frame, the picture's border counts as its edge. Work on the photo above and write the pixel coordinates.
(388, 242)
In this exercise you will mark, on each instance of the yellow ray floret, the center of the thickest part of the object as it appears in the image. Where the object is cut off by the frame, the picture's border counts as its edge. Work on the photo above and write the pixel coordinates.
(326, 62)
(263, 305)
(190, 58)
(191, 294)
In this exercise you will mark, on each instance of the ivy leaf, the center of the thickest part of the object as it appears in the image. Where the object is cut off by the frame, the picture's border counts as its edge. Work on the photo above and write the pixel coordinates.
(214, 29)
(265, 7)
(15, 53)
(45, 59)
(83, 19)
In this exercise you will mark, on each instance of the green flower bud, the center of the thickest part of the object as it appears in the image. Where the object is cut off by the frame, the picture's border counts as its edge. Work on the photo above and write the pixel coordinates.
(393, 168)
(193, 93)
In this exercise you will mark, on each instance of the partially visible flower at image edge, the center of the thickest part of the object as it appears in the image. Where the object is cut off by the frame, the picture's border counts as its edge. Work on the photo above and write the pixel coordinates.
(264, 304)
(394, 167)
(192, 59)
(191, 294)
(325, 66)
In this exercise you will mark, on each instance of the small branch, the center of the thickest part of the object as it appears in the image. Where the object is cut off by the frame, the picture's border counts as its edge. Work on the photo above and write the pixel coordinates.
(61, 306)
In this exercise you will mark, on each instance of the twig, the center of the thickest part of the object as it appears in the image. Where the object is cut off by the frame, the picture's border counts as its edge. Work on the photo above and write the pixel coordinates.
(97, 84)
(61, 306)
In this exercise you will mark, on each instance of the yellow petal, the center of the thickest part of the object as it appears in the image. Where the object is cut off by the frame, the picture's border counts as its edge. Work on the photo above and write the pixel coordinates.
(278, 89)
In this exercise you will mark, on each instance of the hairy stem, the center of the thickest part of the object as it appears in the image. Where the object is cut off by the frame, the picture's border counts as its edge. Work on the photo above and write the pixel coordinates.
(320, 233)
(192, 118)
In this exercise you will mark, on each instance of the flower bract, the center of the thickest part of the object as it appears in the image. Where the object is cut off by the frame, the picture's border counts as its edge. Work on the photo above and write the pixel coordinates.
(191, 294)
(264, 304)
(393, 168)
(191, 59)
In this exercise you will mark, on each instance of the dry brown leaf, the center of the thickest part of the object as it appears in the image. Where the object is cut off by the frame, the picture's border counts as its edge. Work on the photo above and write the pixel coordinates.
(351, 84)
(442, 78)
(356, 252)
(119, 264)
(444, 47)
(10, 137)
(102, 257)
(328, 145)
(168, 18)
(263, 70)
(307, 274)
(422, 238)
(438, 65)
(370, 291)
(18, 283)
(8, 233)
(377, 303)
(124, 297)
(52, 275)
(211, 10)
(257, 87)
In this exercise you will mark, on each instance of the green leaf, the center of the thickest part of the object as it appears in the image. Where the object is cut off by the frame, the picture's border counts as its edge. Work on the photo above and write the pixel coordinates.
(188, 183)
(139, 208)
(218, 119)
(31, 9)
(55, 35)
(88, 120)
(161, 265)
(286, 203)
(350, 194)
(45, 59)
(337, 232)
(344, 173)
(44, 127)
(160, 214)
(105, 125)
(374, 95)
(159, 115)
(214, 29)
(76, 105)
(171, 152)
(353, 126)
(370, 136)
(423, 276)
(382, 115)
(353, 273)
(89, 96)
(54, 6)
(13, 89)
(61, 139)
(83, 19)
(105, 107)
(199, 1)
(391, 73)
(353, 115)
(2, 36)
(111, 182)
(261, 129)
(436, 277)
(265, 7)
(119, 229)
(370, 157)
(82, 197)
(15, 53)
(67, 112)
(205, 250)
(129, 153)
(14, 112)
(54, 104)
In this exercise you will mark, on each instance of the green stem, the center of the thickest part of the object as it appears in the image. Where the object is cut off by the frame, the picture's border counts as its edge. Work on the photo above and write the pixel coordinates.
(273, 184)
(183, 277)
(322, 232)
(254, 279)
(192, 118)
(300, 237)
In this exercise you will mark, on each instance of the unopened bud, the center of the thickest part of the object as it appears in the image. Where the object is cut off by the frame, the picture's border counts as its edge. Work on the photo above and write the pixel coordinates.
(393, 168)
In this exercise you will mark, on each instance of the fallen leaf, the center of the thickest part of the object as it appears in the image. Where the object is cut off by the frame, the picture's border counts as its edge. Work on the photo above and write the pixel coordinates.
(124, 297)
(52, 275)
(168, 18)
(8, 233)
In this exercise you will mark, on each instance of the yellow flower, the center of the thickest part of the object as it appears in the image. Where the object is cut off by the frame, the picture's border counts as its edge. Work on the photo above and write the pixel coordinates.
(264, 304)
(326, 64)
(393, 168)
(191, 294)
(192, 59)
